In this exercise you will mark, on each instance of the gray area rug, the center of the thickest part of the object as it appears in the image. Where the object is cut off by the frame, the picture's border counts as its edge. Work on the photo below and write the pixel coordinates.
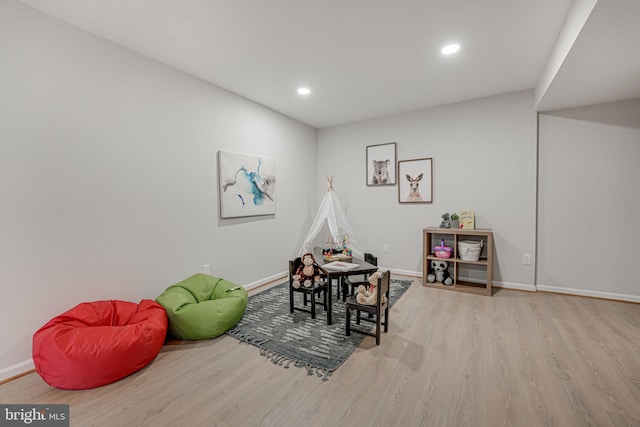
(297, 339)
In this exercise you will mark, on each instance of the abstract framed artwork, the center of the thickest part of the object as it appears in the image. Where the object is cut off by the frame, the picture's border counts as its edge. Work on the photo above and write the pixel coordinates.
(415, 181)
(381, 164)
(247, 185)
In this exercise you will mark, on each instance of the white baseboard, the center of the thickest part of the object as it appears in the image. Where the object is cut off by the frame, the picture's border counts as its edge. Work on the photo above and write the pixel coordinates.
(261, 282)
(516, 286)
(403, 272)
(15, 370)
(588, 293)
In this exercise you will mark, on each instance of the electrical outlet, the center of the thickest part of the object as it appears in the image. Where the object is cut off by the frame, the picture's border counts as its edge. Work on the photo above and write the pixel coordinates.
(526, 259)
(385, 248)
(206, 268)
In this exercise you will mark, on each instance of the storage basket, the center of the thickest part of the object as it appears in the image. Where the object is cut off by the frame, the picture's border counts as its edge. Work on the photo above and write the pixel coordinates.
(442, 251)
(469, 250)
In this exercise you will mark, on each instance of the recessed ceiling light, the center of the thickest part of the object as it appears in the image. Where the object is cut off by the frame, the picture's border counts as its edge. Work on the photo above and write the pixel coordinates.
(304, 91)
(449, 49)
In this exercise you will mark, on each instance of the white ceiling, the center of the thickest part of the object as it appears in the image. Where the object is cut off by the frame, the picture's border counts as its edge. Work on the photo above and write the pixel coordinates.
(603, 64)
(370, 58)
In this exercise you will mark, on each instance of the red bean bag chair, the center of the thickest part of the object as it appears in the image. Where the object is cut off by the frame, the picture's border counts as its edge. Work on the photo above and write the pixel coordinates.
(97, 343)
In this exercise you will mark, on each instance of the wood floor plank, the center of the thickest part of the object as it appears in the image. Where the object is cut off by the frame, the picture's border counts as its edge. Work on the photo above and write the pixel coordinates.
(449, 359)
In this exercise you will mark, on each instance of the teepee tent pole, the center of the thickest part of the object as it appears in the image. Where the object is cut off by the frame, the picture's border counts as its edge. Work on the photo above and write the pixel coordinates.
(330, 180)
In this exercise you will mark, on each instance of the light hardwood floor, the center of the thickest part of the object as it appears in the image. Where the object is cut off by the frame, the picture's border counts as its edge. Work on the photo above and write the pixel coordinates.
(449, 359)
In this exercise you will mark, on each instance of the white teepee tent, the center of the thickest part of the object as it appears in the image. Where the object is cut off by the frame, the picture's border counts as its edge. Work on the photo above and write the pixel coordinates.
(331, 215)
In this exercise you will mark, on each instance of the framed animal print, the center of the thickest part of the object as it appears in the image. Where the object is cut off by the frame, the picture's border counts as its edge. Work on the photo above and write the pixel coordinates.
(415, 181)
(381, 164)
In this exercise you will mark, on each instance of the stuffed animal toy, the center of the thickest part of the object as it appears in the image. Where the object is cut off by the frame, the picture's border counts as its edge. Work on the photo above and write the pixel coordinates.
(439, 272)
(369, 296)
(445, 221)
(307, 273)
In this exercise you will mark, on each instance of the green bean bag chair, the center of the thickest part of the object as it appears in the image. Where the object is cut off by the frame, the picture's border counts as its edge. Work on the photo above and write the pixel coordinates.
(203, 307)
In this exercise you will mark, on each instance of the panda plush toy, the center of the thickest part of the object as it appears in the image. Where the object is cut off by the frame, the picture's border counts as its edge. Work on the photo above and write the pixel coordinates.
(439, 272)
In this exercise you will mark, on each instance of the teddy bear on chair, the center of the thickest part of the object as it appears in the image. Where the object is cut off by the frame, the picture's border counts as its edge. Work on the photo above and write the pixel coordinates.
(308, 273)
(369, 296)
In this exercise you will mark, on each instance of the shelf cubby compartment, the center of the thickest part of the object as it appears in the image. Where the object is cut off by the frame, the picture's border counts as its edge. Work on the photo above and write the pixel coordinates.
(468, 276)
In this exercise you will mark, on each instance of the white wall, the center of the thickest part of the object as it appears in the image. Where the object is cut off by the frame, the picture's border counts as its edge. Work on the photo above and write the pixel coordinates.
(588, 204)
(108, 177)
(108, 181)
(484, 157)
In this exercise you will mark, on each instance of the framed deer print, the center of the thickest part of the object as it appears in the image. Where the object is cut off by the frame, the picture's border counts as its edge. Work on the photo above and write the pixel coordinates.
(381, 164)
(415, 181)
